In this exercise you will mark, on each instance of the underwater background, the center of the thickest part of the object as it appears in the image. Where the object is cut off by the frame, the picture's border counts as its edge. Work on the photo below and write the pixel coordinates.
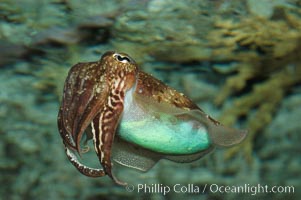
(240, 61)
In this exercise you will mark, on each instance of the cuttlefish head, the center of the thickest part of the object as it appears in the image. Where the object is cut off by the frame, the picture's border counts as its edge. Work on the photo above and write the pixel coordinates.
(93, 97)
(87, 88)
(120, 68)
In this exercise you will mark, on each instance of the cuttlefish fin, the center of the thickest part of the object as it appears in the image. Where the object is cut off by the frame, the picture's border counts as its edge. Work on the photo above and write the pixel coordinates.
(189, 158)
(103, 128)
(142, 159)
(133, 156)
(220, 135)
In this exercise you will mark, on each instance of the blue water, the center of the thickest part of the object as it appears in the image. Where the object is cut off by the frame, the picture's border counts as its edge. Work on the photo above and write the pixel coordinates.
(238, 61)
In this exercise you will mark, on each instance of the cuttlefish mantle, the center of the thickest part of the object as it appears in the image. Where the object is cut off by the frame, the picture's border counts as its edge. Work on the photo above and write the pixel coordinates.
(133, 118)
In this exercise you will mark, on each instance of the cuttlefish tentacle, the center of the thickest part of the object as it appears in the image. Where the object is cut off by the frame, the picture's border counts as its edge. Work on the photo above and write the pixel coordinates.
(70, 148)
(85, 170)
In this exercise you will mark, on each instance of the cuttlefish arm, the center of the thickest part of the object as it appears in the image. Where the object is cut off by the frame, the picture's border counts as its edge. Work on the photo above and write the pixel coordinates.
(85, 92)
(154, 96)
(84, 95)
(104, 127)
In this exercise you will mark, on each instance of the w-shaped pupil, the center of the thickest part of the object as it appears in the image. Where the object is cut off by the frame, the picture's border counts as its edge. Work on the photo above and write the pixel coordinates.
(120, 58)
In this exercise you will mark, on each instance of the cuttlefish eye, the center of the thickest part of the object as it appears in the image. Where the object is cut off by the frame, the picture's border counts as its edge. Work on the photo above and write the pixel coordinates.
(122, 58)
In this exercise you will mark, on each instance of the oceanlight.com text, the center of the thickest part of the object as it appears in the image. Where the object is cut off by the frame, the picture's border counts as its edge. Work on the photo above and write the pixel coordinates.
(209, 188)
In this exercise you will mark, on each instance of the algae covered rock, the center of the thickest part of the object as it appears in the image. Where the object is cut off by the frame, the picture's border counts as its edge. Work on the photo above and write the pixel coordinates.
(167, 30)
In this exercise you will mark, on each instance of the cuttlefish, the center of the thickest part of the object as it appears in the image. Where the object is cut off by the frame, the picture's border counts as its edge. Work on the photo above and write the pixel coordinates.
(133, 118)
